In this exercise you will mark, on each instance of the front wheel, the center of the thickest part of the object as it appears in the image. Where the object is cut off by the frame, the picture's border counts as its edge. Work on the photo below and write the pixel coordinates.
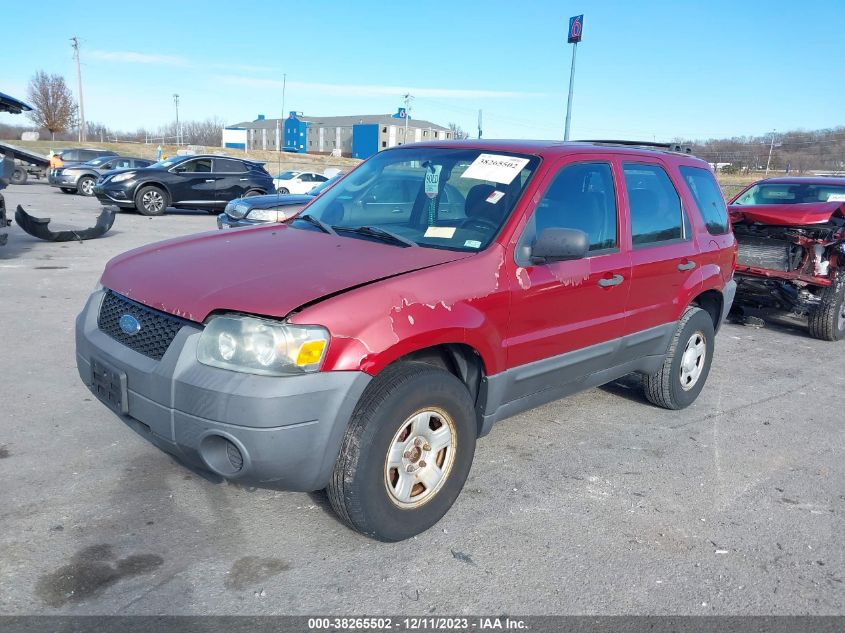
(151, 200)
(407, 452)
(283, 190)
(18, 176)
(827, 320)
(686, 364)
(85, 186)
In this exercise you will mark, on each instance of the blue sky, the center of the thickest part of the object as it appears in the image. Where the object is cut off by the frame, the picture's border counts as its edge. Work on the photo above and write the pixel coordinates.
(645, 70)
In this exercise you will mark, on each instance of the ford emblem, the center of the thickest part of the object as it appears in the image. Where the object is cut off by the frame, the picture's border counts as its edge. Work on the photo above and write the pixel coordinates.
(129, 324)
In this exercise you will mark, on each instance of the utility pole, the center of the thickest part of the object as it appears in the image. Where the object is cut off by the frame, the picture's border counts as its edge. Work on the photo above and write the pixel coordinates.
(576, 26)
(83, 130)
(771, 147)
(479, 123)
(178, 127)
(408, 98)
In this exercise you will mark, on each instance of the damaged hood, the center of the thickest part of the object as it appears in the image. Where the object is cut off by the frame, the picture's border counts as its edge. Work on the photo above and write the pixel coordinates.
(786, 214)
(269, 271)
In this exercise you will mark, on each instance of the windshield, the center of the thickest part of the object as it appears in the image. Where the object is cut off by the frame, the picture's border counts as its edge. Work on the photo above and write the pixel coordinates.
(99, 161)
(791, 193)
(168, 162)
(287, 175)
(455, 199)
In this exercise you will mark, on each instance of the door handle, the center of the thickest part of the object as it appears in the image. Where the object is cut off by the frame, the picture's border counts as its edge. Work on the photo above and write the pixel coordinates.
(686, 266)
(210, 180)
(243, 179)
(613, 281)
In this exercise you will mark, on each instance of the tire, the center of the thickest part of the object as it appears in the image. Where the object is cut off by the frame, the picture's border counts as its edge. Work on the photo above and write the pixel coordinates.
(253, 192)
(677, 384)
(283, 190)
(151, 200)
(18, 176)
(827, 321)
(85, 186)
(404, 404)
(66, 190)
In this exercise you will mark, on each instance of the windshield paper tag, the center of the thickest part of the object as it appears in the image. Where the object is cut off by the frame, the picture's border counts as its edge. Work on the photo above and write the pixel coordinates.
(494, 197)
(836, 197)
(472, 243)
(440, 231)
(495, 168)
(432, 181)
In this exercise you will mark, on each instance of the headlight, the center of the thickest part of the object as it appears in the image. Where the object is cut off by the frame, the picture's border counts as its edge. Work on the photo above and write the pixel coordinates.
(262, 346)
(236, 210)
(268, 215)
(122, 177)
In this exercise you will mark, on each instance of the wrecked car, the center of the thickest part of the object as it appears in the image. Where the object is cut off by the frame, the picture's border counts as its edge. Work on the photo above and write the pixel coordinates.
(791, 235)
(7, 160)
(364, 348)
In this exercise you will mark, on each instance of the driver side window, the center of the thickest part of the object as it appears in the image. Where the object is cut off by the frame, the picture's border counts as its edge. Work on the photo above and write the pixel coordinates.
(194, 166)
(581, 196)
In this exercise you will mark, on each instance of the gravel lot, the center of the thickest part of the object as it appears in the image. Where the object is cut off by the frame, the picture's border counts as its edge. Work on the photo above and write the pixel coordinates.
(598, 504)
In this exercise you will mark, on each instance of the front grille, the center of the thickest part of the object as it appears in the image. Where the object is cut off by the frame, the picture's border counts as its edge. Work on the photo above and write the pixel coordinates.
(157, 328)
(764, 252)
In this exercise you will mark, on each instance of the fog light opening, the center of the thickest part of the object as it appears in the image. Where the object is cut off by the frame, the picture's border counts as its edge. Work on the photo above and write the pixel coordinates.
(223, 456)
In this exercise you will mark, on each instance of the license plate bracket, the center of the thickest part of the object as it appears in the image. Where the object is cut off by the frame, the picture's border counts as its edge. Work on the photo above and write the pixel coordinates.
(109, 385)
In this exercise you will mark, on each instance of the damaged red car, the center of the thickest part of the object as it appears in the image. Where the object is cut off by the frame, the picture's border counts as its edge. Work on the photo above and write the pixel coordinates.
(366, 344)
(791, 235)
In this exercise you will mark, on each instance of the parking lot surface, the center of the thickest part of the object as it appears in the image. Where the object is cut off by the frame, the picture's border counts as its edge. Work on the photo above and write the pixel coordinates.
(597, 504)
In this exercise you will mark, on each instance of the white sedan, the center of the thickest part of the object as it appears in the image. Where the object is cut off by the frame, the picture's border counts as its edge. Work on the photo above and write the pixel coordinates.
(297, 181)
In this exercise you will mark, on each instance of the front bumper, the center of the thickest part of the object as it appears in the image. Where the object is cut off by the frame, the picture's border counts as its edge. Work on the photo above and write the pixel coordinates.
(288, 430)
(113, 195)
(65, 181)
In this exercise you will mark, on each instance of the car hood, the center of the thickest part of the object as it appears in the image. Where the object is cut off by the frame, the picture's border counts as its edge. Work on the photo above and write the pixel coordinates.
(786, 214)
(273, 200)
(268, 271)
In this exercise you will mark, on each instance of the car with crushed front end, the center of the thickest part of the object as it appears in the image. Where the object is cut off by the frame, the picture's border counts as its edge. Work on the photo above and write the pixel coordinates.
(81, 178)
(206, 182)
(791, 235)
(364, 348)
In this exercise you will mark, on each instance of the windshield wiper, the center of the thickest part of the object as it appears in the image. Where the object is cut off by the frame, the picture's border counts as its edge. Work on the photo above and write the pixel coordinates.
(325, 228)
(379, 233)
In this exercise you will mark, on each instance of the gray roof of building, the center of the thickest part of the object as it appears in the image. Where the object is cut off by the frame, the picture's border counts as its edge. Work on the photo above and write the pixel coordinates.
(344, 121)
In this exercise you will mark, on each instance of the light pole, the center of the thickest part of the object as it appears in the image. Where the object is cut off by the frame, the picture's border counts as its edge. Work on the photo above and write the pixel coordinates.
(771, 147)
(178, 127)
(576, 26)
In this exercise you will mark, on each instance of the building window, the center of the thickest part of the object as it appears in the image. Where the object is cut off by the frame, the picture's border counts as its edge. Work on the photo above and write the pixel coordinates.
(384, 129)
(384, 143)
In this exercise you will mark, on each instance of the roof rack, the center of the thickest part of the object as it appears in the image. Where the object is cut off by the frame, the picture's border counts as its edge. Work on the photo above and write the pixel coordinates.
(676, 148)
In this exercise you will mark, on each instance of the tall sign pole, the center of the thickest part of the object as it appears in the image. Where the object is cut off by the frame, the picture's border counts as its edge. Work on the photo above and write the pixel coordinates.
(83, 129)
(576, 26)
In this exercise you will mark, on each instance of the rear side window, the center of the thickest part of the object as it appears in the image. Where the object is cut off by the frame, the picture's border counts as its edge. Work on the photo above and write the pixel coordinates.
(656, 212)
(708, 197)
(228, 166)
(70, 155)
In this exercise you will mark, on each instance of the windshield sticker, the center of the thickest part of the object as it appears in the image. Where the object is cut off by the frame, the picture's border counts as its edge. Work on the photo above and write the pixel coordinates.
(440, 231)
(836, 197)
(472, 244)
(494, 197)
(432, 180)
(495, 168)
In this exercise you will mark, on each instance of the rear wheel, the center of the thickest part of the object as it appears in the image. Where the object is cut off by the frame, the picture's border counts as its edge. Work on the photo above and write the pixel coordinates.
(686, 365)
(85, 186)
(19, 176)
(407, 452)
(151, 200)
(827, 321)
(283, 190)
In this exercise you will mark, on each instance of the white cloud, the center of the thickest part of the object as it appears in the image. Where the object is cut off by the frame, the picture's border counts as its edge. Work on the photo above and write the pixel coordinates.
(138, 58)
(350, 90)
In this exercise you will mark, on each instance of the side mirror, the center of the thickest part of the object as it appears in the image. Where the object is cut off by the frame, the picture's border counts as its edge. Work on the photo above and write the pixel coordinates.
(180, 170)
(554, 245)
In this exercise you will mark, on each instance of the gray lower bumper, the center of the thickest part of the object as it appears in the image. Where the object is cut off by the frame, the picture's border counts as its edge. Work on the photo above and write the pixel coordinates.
(728, 295)
(288, 430)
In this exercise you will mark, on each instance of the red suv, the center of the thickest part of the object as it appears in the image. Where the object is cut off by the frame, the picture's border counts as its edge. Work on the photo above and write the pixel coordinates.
(436, 289)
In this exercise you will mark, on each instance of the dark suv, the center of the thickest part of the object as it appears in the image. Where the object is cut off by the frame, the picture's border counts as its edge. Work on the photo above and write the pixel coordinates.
(364, 348)
(198, 182)
(74, 156)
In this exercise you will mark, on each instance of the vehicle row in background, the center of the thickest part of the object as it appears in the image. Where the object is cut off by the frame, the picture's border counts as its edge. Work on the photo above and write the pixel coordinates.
(298, 181)
(791, 235)
(197, 182)
(270, 208)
